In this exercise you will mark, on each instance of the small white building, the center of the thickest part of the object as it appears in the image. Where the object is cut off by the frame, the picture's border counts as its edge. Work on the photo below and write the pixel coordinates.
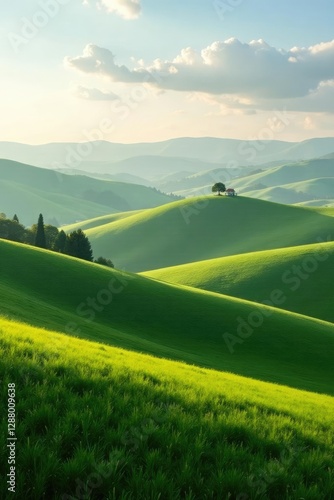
(230, 192)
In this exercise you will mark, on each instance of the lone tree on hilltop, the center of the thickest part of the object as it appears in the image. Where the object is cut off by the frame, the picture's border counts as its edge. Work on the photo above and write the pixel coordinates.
(15, 218)
(219, 187)
(78, 245)
(40, 240)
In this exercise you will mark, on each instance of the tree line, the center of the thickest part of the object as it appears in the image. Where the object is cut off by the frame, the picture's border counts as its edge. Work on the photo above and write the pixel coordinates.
(49, 237)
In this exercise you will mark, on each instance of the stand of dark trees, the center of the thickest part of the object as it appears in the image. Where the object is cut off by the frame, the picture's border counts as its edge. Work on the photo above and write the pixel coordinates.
(50, 237)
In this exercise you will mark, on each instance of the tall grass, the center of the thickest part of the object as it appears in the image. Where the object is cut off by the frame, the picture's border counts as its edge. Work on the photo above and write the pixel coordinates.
(104, 423)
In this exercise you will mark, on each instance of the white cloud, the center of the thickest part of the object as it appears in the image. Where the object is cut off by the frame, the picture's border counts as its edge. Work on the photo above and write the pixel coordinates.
(254, 72)
(127, 9)
(100, 61)
(92, 94)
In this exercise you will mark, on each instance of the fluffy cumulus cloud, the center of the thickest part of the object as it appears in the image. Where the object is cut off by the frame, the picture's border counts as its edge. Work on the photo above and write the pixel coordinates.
(253, 71)
(127, 9)
(92, 94)
(100, 61)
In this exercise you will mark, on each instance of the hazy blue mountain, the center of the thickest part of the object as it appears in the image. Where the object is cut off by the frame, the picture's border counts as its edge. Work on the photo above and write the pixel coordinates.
(29, 191)
(225, 152)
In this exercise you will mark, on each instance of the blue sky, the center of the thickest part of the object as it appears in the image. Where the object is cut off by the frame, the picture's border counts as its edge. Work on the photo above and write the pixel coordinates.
(144, 70)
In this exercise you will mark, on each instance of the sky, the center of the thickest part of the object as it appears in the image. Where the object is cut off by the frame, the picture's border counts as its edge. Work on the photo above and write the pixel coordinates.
(143, 71)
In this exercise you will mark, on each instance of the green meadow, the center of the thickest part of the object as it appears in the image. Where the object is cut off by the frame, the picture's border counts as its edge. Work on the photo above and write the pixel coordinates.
(174, 321)
(300, 277)
(100, 422)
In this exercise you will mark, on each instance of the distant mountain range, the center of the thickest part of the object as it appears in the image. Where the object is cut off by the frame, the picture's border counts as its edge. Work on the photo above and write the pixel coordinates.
(104, 156)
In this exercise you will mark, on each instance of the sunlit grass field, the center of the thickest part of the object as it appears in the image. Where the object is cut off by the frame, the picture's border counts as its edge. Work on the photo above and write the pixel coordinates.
(178, 322)
(105, 423)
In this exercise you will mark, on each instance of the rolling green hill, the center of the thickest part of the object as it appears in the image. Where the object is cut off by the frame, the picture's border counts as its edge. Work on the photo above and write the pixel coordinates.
(312, 192)
(99, 221)
(329, 211)
(28, 191)
(305, 182)
(205, 228)
(190, 183)
(278, 194)
(298, 182)
(299, 279)
(61, 293)
(100, 422)
(287, 174)
(322, 187)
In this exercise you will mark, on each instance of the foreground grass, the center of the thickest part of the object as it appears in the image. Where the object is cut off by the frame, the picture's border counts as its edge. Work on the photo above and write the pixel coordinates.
(104, 423)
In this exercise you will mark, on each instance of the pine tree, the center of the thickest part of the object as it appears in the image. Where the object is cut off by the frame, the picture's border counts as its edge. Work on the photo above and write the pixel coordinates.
(78, 245)
(40, 240)
(15, 218)
(60, 242)
(51, 234)
(104, 262)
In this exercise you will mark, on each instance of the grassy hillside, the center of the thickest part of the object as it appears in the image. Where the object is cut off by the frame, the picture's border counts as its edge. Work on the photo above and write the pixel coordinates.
(201, 179)
(300, 277)
(329, 211)
(286, 195)
(118, 177)
(28, 191)
(303, 182)
(323, 203)
(314, 191)
(99, 422)
(322, 187)
(288, 183)
(61, 293)
(99, 221)
(287, 174)
(204, 228)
